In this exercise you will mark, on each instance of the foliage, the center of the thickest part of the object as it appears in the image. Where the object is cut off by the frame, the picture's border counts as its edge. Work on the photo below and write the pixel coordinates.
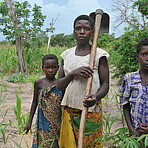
(142, 7)
(63, 40)
(22, 119)
(120, 137)
(68, 41)
(104, 40)
(131, 12)
(33, 58)
(29, 23)
(123, 51)
(32, 78)
(4, 123)
(107, 122)
(43, 142)
(8, 58)
(40, 146)
(17, 78)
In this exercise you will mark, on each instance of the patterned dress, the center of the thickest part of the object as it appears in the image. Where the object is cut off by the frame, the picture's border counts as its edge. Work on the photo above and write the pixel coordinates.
(48, 118)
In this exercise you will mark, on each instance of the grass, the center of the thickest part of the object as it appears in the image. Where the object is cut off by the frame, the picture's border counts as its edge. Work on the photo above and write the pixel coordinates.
(33, 58)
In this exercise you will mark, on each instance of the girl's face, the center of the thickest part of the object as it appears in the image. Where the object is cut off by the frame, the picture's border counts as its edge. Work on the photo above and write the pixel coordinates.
(50, 68)
(143, 57)
(83, 31)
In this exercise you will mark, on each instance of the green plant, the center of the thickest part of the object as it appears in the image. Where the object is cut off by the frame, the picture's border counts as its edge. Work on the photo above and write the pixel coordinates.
(120, 138)
(8, 59)
(144, 139)
(63, 40)
(4, 85)
(22, 119)
(17, 78)
(108, 122)
(32, 78)
(40, 146)
(123, 51)
(3, 123)
(33, 59)
(3, 126)
(43, 142)
(19, 90)
(16, 144)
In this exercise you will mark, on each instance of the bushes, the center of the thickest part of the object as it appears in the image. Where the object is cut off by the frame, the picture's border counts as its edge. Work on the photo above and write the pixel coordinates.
(62, 40)
(33, 57)
(123, 51)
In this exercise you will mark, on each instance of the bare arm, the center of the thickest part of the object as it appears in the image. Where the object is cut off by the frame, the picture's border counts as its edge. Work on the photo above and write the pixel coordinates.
(103, 71)
(61, 73)
(104, 78)
(33, 107)
(63, 80)
(126, 111)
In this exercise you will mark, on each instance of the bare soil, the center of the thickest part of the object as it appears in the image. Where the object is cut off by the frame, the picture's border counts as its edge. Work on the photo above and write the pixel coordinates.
(25, 91)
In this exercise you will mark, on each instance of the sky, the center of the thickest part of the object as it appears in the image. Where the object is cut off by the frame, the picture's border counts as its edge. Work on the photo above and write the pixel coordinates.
(67, 10)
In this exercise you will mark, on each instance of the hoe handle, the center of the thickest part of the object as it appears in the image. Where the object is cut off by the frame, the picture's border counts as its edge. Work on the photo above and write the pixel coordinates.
(99, 14)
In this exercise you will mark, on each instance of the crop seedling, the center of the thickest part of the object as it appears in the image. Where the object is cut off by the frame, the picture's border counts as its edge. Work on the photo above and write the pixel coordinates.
(22, 119)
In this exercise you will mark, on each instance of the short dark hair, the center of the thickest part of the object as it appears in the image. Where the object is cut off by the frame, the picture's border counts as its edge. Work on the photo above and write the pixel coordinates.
(84, 17)
(48, 57)
(143, 42)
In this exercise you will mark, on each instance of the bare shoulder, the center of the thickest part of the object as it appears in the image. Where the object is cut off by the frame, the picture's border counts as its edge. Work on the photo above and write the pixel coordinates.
(39, 82)
(103, 60)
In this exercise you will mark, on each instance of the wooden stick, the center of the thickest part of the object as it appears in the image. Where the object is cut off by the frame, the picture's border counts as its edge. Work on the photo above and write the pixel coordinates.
(99, 14)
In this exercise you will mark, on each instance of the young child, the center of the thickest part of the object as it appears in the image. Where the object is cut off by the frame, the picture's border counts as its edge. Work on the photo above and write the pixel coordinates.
(48, 99)
(74, 72)
(134, 93)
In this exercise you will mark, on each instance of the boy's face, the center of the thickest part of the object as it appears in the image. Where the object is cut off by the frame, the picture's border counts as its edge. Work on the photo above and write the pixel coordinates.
(143, 57)
(50, 68)
(83, 31)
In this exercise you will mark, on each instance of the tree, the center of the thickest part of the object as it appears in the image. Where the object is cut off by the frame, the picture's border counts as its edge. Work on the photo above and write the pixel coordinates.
(22, 66)
(63, 40)
(123, 49)
(21, 24)
(105, 39)
(51, 30)
(131, 12)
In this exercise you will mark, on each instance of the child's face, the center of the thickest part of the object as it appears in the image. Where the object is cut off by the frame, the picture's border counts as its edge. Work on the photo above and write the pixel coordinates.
(83, 31)
(143, 57)
(50, 68)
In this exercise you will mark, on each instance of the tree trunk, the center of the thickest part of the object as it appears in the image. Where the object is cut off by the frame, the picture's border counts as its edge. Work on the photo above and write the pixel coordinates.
(22, 66)
(21, 63)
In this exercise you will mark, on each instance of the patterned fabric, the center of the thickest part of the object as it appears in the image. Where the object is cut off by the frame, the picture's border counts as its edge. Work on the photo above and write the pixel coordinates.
(70, 128)
(134, 92)
(48, 118)
(75, 91)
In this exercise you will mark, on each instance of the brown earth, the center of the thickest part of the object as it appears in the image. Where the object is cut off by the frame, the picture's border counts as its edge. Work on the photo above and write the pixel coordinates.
(25, 91)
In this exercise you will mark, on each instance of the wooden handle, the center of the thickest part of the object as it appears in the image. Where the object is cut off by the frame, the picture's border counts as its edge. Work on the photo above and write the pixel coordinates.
(99, 14)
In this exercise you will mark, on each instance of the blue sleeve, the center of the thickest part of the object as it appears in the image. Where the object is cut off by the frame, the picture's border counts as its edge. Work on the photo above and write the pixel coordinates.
(125, 91)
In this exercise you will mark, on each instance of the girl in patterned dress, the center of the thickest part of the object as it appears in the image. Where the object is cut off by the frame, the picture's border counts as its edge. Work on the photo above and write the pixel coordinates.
(73, 74)
(134, 93)
(48, 99)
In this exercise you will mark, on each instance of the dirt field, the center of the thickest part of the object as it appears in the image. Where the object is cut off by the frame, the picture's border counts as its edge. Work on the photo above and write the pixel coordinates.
(25, 91)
